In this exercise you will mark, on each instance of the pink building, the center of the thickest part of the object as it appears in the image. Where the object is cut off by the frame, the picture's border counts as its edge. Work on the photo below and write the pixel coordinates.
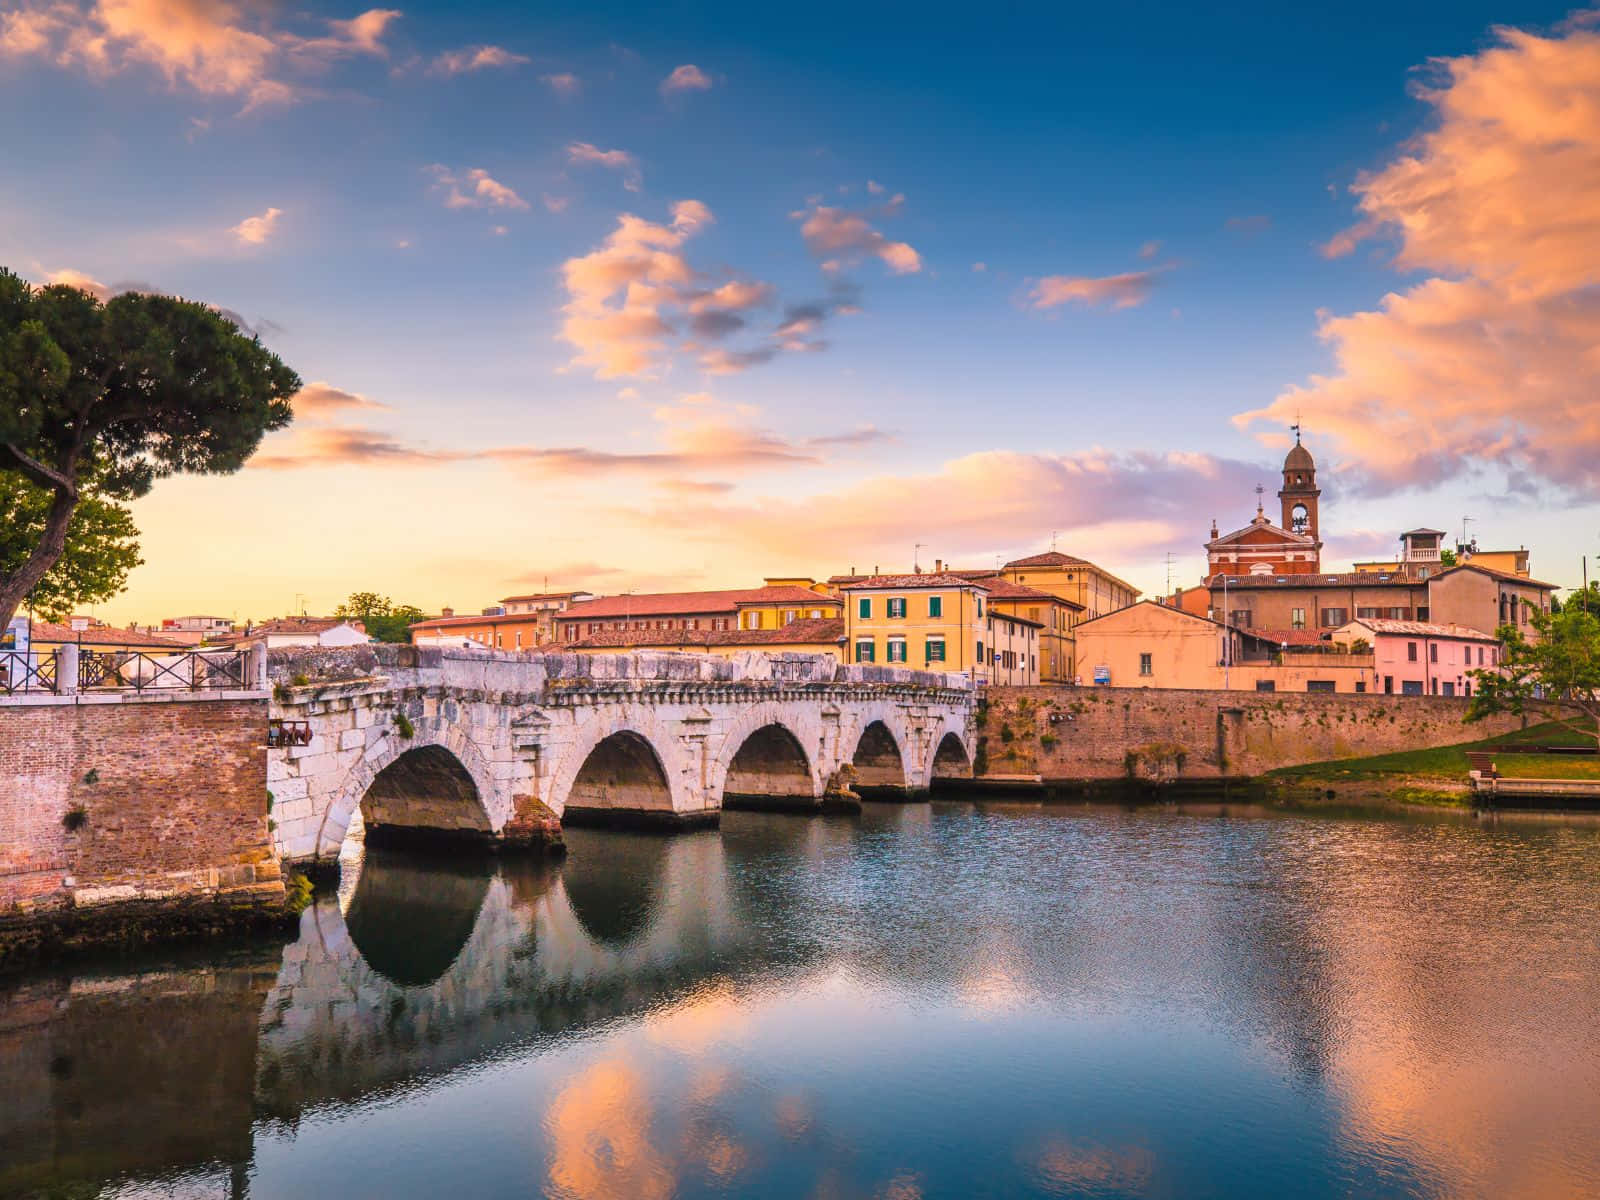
(1418, 658)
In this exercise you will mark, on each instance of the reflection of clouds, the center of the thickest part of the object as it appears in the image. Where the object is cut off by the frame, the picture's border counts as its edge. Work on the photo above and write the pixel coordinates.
(709, 1017)
(996, 990)
(1060, 1166)
(599, 1132)
(907, 1185)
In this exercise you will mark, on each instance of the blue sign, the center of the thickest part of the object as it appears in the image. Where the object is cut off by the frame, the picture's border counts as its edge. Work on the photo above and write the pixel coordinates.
(1102, 675)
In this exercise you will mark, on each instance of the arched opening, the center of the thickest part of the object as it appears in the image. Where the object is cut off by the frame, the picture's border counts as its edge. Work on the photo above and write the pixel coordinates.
(425, 799)
(950, 760)
(621, 783)
(880, 771)
(770, 770)
(410, 918)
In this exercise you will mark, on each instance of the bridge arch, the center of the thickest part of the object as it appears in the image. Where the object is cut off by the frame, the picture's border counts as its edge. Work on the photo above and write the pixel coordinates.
(435, 781)
(951, 759)
(882, 753)
(767, 757)
(619, 771)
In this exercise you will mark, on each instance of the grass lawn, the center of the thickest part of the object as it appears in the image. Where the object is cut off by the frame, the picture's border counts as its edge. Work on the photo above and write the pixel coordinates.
(1450, 762)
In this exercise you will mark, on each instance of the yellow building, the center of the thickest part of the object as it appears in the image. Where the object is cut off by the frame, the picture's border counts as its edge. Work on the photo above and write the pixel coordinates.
(1092, 589)
(938, 622)
(1158, 646)
(1054, 617)
(803, 636)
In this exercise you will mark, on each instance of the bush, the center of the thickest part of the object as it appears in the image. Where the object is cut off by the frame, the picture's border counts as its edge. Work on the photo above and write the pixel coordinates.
(1048, 741)
(403, 725)
(297, 892)
(1006, 734)
(75, 818)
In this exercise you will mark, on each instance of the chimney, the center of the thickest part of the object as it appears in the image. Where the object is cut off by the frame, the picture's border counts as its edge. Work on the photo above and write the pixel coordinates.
(447, 612)
(938, 566)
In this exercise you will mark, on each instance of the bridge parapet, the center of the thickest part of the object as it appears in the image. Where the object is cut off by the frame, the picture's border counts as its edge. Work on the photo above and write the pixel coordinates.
(501, 746)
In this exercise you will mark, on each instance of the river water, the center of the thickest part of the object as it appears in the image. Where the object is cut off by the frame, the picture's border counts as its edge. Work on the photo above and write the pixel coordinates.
(946, 1000)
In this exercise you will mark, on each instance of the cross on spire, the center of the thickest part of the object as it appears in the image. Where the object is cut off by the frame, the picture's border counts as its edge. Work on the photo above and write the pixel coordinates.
(1296, 427)
(1260, 491)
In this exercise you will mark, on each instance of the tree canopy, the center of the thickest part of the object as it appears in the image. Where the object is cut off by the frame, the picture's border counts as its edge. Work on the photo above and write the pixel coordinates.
(102, 546)
(122, 393)
(1556, 675)
(385, 620)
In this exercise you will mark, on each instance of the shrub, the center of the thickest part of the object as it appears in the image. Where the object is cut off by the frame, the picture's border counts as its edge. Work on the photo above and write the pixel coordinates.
(300, 679)
(297, 892)
(75, 818)
(1006, 733)
(403, 725)
(93, 776)
(1048, 741)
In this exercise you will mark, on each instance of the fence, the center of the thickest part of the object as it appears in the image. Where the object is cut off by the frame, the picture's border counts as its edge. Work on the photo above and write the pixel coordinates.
(28, 671)
(73, 670)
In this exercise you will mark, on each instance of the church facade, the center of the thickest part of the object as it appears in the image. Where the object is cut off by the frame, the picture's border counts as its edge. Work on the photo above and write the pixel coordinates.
(1293, 547)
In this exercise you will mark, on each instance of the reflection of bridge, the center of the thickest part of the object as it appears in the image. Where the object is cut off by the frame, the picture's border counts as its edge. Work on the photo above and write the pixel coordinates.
(430, 969)
(498, 748)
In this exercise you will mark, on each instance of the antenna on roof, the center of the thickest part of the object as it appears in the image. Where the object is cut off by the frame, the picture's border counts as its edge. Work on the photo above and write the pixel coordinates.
(1169, 573)
(916, 565)
(1052, 541)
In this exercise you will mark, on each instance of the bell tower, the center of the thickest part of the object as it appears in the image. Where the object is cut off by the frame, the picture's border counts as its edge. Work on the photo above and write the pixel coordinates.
(1300, 491)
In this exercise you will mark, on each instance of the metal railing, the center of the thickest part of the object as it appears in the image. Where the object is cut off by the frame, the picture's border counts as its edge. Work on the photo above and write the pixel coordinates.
(28, 671)
(137, 671)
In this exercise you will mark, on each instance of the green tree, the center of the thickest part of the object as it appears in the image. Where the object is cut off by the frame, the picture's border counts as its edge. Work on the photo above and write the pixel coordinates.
(1447, 558)
(385, 620)
(1555, 676)
(102, 546)
(117, 395)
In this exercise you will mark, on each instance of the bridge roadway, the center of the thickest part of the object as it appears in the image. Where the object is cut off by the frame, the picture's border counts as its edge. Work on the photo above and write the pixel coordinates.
(500, 748)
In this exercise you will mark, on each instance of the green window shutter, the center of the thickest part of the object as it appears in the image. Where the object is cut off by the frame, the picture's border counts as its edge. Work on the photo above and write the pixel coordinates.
(864, 608)
(936, 606)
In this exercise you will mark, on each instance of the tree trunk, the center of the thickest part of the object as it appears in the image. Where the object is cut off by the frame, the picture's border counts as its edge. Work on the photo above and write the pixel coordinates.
(52, 543)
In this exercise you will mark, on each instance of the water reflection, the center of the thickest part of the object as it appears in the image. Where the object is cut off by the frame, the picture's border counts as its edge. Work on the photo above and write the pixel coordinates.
(938, 1000)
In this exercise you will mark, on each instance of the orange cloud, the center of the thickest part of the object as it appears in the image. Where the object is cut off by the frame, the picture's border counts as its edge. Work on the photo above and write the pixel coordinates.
(476, 189)
(1493, 360)
(254, 231)
(838, 236)
(319, 399)
(1127, 290)
(474, 58)
(566, 85)
(584, 154)
(215, 47)
(687, 78)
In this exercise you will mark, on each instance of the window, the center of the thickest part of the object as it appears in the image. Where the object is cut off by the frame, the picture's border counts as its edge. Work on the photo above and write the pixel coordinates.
(1480, 656)
(1422, 612)
(1033, 614)
(1145, 667)
(1388, 685)
(1411, 652)
(1332, 618)
(1411, 687)
(935, 649)
(1240, 617)
(1363, 614)
(789, 615)
(1320, 685)
(752, 619)
(1297, 618)
(1449, 689)
(897, 650)
(980, 654)
(1361, 685)
(864, 608)
(936, 606)
(897, 608)
(519, 639)
(864, 650)
(1266, 685)
(1395, 614)
(1433, 651)
(980, 608)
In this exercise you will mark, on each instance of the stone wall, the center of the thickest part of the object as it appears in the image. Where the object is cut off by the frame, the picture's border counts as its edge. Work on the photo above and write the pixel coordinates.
(1073, 733)
(121, 813)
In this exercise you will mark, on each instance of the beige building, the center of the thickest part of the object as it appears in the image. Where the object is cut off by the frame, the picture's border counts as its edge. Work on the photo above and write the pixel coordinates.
(1155, 645)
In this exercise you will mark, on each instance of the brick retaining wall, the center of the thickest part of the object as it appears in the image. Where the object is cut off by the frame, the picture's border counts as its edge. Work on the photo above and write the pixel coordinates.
(1069, 733)
(172, 796)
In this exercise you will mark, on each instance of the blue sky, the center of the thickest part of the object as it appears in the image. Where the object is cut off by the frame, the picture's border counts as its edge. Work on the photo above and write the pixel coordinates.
(1177, 173)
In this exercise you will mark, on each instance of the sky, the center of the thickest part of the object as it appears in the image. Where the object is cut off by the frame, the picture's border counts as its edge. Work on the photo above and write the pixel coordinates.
(684, 295)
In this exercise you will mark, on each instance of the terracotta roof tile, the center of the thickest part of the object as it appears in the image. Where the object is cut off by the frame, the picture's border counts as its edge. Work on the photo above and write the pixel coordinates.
(103, 635)
(944, 580)
(659, 604)
(1424, 629)
(824, 631)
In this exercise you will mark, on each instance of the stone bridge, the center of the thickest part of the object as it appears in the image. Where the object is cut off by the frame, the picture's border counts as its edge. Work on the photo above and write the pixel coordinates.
(501, 748)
